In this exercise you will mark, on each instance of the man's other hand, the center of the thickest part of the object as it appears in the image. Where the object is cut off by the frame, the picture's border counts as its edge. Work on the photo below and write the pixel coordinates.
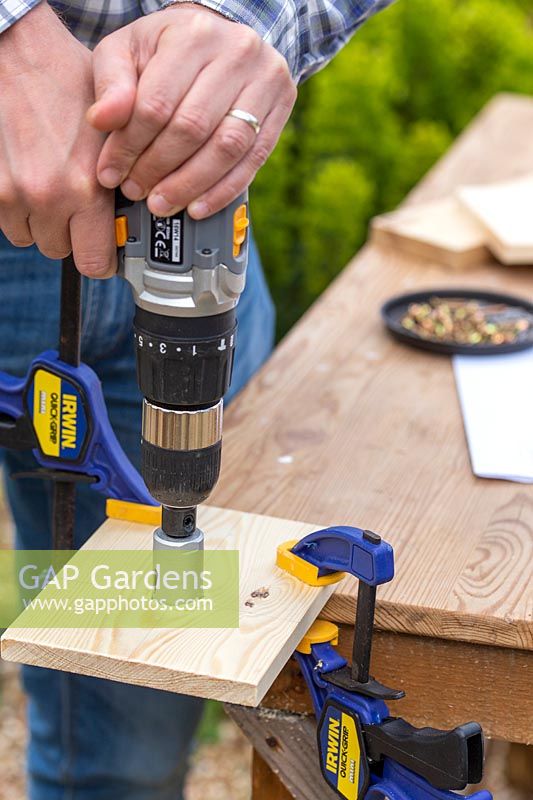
(164, 85)
(49, 193)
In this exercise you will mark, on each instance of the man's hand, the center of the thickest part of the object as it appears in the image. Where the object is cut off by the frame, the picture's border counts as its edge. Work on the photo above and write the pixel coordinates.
(164, 85)
(49, 193)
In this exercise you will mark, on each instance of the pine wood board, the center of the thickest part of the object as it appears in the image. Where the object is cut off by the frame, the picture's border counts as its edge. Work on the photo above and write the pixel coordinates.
(503, 212)
(441, 231)
(234, 665)
(345, 425)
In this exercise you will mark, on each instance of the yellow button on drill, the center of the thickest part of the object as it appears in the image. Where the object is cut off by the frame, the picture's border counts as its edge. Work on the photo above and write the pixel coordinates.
(121, 231)
(240, 224)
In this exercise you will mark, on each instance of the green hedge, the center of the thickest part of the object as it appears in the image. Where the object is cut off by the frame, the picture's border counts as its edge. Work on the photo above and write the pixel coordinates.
(367, 128)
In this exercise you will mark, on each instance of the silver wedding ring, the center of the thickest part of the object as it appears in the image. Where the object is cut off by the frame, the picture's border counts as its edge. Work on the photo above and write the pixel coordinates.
(252, 121)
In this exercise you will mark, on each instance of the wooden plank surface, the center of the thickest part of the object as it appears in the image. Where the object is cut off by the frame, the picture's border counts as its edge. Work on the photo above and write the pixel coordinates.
(502, 210)
(345, 425)
(266, 785)
(445, 683)
(442, 231)
(288, 764)
(236, 665)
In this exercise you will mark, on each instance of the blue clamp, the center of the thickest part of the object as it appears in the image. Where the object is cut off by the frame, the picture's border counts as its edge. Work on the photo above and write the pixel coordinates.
(343, 549)
(365, 753)
(59, 412)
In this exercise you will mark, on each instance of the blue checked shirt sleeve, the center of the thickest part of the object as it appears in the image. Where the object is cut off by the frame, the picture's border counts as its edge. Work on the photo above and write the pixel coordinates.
(12, 10)
(307, 32)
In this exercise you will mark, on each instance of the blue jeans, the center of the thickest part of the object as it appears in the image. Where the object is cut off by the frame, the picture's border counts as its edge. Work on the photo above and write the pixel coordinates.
(93, 739)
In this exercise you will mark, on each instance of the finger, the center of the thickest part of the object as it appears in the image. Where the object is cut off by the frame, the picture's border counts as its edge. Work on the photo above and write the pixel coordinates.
(16, 229)
(228, 145)
(193, 122)
(156, 100)
(53, 240)
(13, 217)
(95, 256)
(115, 85)
(238, 179)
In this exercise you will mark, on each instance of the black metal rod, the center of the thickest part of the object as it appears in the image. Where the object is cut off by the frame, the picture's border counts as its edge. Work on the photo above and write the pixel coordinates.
(63, 515)
(364, 629)
(70, 320)
(64, 501)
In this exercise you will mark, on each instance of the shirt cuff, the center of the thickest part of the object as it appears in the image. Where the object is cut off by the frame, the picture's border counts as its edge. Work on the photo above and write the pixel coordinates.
(262, 17)
(13, 10)
(213, 5)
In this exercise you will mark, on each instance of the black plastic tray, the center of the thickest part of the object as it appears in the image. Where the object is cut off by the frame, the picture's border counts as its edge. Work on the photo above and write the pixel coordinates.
(395, 309)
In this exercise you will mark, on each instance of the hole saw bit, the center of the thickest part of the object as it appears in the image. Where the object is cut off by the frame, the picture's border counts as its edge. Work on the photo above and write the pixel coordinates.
(187, 277)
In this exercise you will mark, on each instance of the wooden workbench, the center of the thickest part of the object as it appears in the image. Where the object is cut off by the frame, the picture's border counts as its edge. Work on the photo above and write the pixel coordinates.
(344, 425)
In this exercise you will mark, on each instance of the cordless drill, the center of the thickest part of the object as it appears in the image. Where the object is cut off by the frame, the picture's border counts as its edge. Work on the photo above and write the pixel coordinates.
(187, 277)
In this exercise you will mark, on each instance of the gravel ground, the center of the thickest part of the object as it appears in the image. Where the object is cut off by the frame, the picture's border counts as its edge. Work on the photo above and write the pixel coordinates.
(12, 734)
(219, 771)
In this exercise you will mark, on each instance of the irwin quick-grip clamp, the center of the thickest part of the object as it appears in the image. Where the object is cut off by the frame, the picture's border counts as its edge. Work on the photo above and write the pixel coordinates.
(365, 753)
(58, 411)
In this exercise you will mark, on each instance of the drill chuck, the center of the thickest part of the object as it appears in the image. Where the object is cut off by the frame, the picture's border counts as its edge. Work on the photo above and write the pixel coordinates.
(181, 452)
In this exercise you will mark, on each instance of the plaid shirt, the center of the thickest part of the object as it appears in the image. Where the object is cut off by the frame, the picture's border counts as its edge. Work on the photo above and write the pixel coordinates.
(307, 32)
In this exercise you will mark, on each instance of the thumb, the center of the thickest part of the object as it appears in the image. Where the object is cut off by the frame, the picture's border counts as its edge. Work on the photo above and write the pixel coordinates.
(115, 85)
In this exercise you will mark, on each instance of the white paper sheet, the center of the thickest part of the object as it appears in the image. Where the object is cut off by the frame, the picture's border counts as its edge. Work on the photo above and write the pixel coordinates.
(496, 396)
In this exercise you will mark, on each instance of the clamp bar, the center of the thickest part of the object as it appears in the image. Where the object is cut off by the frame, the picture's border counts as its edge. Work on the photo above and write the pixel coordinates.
(64, 496)
(365, 555)
(324, 557)
(364, 626)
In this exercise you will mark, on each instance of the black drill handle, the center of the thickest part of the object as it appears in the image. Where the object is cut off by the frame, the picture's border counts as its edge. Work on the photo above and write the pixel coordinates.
(446, 759)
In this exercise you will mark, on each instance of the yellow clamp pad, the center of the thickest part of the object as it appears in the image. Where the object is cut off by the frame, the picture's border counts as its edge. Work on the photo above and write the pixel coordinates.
(133, 512)
(301, 568)
(320, 632)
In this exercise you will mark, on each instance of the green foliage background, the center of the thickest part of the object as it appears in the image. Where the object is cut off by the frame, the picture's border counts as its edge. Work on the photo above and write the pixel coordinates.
(367, 128)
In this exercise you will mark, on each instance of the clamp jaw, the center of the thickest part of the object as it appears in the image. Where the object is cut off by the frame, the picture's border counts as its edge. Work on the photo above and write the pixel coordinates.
(365, 753)
(58, 411)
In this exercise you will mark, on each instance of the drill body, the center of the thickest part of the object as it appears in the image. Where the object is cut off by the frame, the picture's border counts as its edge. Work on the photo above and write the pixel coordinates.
(187, 277)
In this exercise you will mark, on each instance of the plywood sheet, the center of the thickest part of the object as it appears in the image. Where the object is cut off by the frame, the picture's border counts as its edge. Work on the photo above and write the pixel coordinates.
(235, 665)
(441, 231)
